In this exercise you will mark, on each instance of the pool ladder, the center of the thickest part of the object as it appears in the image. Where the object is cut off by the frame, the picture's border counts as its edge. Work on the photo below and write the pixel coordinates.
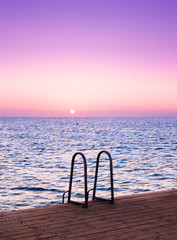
(85, 204)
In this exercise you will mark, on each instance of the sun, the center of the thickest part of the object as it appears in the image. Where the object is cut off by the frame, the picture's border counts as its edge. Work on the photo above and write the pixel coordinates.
(72, 111)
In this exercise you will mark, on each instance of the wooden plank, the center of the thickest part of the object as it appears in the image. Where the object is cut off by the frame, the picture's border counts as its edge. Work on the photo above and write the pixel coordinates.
(141, 216)
(102, 210)
(135, 197)
(56, 218)
(57, 223)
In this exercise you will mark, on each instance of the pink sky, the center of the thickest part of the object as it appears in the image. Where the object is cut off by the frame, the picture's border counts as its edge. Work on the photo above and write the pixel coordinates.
(101, 58)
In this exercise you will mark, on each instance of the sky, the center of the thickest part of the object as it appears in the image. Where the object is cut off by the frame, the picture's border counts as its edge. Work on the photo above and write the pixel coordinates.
(102, 58)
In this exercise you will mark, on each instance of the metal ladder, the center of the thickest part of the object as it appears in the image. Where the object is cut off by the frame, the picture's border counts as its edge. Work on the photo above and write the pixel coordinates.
(85, 204)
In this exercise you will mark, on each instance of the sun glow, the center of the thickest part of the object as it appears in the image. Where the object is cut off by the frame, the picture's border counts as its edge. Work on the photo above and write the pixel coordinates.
(72, 111)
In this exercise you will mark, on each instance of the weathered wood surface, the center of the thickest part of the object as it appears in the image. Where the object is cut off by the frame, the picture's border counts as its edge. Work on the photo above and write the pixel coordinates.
(142, 216)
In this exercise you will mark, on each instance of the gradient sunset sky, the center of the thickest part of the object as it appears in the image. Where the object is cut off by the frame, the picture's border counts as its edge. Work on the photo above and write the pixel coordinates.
(112, 58)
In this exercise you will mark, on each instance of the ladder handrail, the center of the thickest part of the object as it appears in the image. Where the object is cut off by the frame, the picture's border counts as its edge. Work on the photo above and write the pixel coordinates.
(71, 179)
(111, 178)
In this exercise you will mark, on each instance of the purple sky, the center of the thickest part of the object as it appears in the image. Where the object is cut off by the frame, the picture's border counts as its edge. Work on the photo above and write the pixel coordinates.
(101, 57)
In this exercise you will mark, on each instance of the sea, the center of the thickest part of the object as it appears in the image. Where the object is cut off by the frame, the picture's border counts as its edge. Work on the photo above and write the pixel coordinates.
(36, 154)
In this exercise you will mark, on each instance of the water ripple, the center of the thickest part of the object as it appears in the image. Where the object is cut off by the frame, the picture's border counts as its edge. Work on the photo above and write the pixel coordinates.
(35, 157)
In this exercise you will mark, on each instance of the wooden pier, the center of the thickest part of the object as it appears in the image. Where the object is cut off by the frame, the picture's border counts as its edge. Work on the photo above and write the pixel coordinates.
(142, 216)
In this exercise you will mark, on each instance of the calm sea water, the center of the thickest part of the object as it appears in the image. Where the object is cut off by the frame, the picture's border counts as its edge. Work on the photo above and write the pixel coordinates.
(36, 153)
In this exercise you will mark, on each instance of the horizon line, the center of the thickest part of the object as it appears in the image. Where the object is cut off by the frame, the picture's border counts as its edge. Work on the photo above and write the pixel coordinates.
(90, 117)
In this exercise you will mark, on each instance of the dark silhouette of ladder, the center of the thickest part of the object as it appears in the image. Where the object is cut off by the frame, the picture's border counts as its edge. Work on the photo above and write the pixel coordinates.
(71, 179)
(85, 204)
(111, 178)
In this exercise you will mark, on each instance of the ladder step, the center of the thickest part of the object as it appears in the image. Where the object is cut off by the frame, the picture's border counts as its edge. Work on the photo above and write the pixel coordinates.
(77, 203)
(103, 199)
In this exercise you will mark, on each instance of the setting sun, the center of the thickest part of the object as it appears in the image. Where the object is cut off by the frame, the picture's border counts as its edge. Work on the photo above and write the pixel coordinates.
(72, 111)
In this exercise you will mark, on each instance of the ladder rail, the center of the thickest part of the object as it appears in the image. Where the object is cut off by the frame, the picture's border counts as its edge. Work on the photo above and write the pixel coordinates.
(71, 180)
(111, 178)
